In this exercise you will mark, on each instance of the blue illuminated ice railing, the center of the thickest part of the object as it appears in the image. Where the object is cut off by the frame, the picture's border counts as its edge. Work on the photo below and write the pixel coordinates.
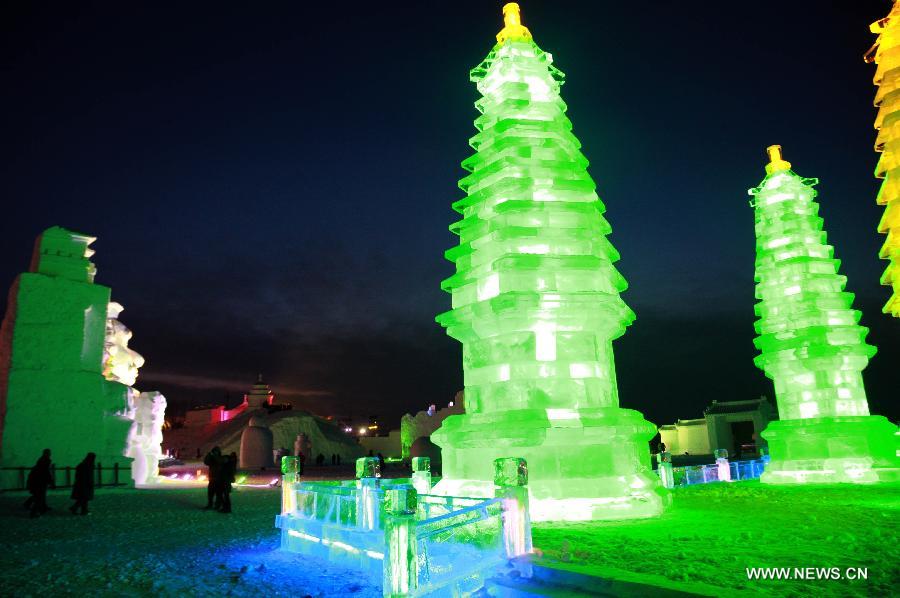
(722, 470)
(394, 530)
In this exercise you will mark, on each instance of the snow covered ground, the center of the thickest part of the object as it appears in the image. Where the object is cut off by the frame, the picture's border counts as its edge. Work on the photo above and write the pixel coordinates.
(712, 532)
(159, 542)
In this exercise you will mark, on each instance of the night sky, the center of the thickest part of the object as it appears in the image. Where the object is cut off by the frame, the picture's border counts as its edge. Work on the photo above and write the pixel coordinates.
(270, 184)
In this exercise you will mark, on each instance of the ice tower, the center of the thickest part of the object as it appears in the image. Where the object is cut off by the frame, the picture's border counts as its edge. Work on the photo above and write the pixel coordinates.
(536, 307)
(811, 344)
(886, 53)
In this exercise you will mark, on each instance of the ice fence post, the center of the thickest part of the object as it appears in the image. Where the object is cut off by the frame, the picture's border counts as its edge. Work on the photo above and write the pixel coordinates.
(421, 474)
(722, 465)
(665, 469)
(401, 563)
(368, 475)
(511, 484)
(290, 475)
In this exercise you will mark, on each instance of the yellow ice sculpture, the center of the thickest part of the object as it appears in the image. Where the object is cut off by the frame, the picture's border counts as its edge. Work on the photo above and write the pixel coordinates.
(886, 54)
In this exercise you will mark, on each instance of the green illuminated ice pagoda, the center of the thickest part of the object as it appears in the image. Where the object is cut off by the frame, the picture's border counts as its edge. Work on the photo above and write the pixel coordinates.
(811, 345)
(536, 307)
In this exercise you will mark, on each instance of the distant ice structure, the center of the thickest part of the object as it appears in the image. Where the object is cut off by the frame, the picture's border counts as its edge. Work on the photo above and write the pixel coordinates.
(424, 423)
(256, 444)
(147, 410)
(145, 437)
(204, 432)
(120, 364)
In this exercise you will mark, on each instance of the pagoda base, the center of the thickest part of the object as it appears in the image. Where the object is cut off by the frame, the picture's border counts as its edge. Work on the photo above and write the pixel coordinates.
(583, 464)
(832, 450)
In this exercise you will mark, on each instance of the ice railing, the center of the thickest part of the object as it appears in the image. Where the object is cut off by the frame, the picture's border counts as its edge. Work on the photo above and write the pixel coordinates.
(722, 470)
(415, 542)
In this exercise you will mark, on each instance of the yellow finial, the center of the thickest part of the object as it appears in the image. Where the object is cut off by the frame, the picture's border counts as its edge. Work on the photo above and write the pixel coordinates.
(512, 24)
(776, 162)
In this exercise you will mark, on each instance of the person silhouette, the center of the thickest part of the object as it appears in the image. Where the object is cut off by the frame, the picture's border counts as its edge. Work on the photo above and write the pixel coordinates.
(227, 472)
(39, 478)
(83, 488)
(213, 462)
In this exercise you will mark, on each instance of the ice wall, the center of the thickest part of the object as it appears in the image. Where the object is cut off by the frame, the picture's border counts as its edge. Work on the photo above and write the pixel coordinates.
(53, 393)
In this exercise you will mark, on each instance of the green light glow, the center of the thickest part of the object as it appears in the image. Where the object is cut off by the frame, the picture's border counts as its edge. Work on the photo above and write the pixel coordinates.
(536, 307)
(54, 338)
(811, 344)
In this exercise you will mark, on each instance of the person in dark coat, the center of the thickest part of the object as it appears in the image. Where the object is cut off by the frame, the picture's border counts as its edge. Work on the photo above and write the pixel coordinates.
(229, 468)
(213, 462)
(83, 488)
(39, 478)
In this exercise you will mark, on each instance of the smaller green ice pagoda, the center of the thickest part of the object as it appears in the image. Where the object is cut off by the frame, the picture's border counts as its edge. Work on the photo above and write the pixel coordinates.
(536, 306)
(811, 344)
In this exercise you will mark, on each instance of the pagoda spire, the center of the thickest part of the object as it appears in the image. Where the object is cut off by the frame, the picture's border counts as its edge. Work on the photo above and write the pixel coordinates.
(512, 25)
(776, 162)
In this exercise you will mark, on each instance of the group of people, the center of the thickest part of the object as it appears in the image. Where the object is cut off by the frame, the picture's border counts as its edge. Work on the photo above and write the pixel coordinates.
(335, 459)
(220, 474)
(222, 469)
(41, 478)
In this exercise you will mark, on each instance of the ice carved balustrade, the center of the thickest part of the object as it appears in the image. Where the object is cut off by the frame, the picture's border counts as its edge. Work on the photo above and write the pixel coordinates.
(416, 543)
(704, 474)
